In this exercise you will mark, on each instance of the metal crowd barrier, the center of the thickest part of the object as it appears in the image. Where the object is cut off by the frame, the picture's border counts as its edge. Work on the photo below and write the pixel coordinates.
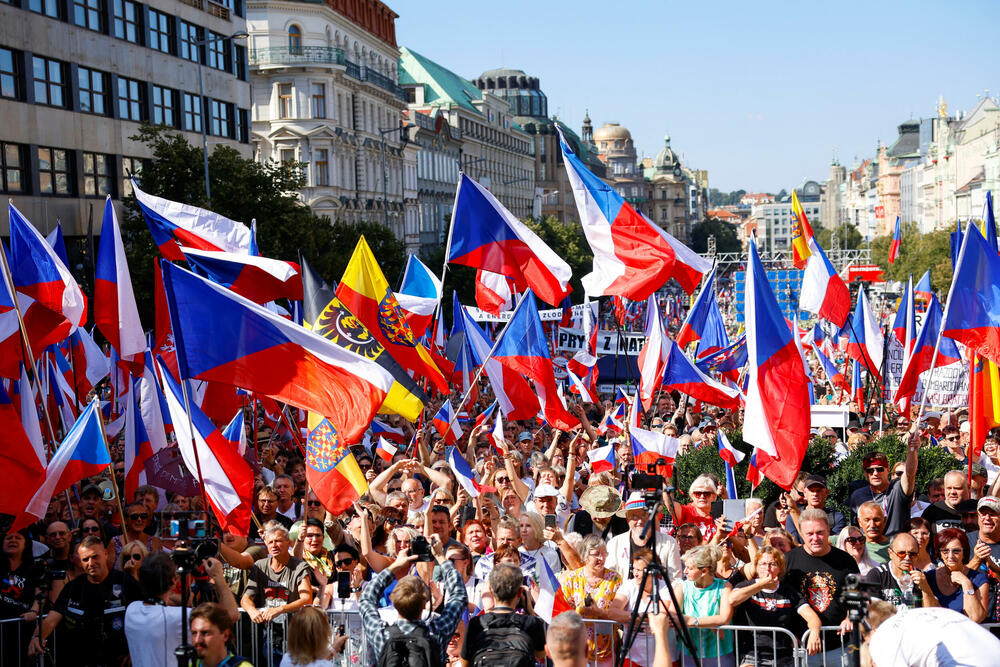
(263, 644)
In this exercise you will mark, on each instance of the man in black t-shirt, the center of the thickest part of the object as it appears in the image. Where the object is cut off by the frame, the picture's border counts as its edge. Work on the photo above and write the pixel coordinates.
(898, 580)
(91, 611)
(945, 513)
(896, 496)
(506, 583)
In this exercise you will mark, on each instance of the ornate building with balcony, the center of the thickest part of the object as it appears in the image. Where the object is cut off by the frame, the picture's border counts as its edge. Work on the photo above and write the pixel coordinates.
(440, 149)
(494, 150)
(325, 94)
(530, 107)
(668, 197)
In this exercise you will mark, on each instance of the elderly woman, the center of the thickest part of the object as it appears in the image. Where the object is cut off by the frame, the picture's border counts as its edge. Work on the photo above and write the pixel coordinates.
(954, 585)
(768, 600)
(920, 528)
(591, 589)
(131, 558)
(703, 492)
(852, 540)
(532, 542)
(704, 602)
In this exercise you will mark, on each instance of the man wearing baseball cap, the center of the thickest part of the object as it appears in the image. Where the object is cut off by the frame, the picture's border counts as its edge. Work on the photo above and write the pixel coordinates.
(894, 496)
(985, 544)
(815, 492)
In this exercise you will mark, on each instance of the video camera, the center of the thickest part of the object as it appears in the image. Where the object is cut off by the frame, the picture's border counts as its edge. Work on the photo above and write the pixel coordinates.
(650, 483)
(857, 594)
(194, 544)
(421, 548)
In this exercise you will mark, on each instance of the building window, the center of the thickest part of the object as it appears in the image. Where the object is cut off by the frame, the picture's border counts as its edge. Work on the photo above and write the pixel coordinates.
(55, 172)
(93, 90)
(295, 40)
(287, 155)
(216, 48)
(50, 81)
(192, 113)
(242, 125)
(159, 31)
(130, 99)
(126, 21)
(284, 100)
(164, 101)
(131, 166)
(12, 168)
(188, 36)
(10, 75)
(47, 7)
(322, 167)
(96, 175)
(319, 100)
(221, 119)
(88, 14)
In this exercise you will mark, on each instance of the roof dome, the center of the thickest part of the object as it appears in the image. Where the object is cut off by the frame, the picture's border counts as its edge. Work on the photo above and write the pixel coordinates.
(610, 132)
(666, 158)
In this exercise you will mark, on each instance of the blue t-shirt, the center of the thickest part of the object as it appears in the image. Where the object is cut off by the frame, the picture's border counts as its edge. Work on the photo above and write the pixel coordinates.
(956, 601)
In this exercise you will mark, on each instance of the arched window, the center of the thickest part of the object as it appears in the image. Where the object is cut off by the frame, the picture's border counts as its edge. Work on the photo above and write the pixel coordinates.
(295, 40)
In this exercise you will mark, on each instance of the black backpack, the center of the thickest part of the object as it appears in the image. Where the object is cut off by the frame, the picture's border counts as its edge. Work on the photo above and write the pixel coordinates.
(503, 643)
(413, 649)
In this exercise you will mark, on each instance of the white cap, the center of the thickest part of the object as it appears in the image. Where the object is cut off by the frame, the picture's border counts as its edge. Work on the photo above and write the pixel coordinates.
(546, 491)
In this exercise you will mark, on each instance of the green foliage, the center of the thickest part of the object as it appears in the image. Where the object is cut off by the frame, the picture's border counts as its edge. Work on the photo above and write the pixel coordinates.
(847, 234)
(818, 459)
(726, 237)
(388, 250)
(917, 253)
(725, 198)
(932, 462)
(568, 241)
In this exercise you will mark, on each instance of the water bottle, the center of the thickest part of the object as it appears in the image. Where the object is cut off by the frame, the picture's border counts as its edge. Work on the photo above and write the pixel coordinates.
(906, 586)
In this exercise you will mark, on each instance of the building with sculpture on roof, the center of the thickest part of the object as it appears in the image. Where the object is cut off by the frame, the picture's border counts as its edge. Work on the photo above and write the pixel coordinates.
(675, 200)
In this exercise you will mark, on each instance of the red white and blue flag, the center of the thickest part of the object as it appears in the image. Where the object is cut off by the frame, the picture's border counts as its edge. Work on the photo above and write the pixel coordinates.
(419, 295)
(904, 326)
(259, 279)
(10, 329)
(833, 374)
(23, 464)
(680, 373)
(776, 419)
(551, 600)
(704, 322)
(385, 450)
(865, 340)
(897, 238)
(727, 452)
(580, 388)
(754, 475)
(463, 473)
(382, 430)
(649, 447)
(138, 448)
(115, 312)
(824, 293)
(602, 459)
(857, 387)
(235, 433)
(653, 355)
(923, 351)
(923, 288)
(485, 235)
(485, 415)
(633, 257)
(493, 293)
(446, 423)
(973, 311)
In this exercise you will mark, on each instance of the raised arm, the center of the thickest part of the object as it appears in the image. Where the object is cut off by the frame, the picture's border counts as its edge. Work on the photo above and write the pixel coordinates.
(908, 481)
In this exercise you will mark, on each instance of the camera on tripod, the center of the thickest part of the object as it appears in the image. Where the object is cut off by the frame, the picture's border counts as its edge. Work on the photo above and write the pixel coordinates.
(857, 594)
(649, 482)
(194, 543)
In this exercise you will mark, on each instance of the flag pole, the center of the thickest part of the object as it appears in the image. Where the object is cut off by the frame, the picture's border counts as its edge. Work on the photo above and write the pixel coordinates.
(194, 446)
(114, 481)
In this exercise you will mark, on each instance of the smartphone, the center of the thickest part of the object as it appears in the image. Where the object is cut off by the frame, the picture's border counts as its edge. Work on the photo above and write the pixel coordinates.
(550, 520)
(343, 585)
(717, 509)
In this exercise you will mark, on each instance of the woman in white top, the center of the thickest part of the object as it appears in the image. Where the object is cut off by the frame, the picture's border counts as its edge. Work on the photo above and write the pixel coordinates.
(532, 528)
(641, 653)
(852, 540)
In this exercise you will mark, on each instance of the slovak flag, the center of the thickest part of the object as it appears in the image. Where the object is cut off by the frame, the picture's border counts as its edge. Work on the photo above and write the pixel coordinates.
(633, 257)
(463, 473)
(551, 599)
(173, 224)
(446, 424)
(777, 403)
(865, 339)
(385, 450)
(973, 313)
(602, 459)
(897, 238)
(419, 295)
(824, 293)
(493, 293)
(923, 351)
(727, 452)
(485, 235)
(115, 312)
(382, 430)
(681, 374)
(226, 476)
(259, 279)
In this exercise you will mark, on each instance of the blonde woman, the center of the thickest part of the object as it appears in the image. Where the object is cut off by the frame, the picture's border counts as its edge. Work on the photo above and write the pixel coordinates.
(308, 643)
(704, 601)
(131, 557)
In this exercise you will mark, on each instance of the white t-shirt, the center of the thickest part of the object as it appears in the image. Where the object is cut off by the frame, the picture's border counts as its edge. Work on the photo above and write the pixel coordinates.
(933, 637)
(286, 661)
(153, 632)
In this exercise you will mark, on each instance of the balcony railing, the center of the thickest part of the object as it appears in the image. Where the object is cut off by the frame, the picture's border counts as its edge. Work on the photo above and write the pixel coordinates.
(362, 73)
(305, 55)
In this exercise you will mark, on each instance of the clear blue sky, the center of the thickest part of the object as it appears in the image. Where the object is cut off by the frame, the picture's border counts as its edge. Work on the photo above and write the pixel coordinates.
(759, 94)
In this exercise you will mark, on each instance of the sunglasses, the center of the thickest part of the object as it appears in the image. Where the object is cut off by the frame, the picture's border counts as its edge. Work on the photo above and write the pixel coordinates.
(91, 529)
(314, 503)
(392, 521)
(898, 473)
(136, 517)
(343, 561)
(133, 557)
(855, 540)
(907, 554)
(952, 438)
(874, 469)
(701, 494)
(503, 480)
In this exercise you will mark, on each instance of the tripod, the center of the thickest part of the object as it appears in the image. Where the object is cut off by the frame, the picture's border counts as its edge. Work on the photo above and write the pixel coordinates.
(658, 574)
(184, 652)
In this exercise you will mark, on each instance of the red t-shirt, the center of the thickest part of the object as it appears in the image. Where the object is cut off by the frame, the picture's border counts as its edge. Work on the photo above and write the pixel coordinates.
(689, 514)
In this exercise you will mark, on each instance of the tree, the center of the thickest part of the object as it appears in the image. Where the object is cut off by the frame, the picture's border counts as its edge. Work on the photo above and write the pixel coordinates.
(568, 241)
(917, 253)
(242, 190)
(848, 237)
(726, 237)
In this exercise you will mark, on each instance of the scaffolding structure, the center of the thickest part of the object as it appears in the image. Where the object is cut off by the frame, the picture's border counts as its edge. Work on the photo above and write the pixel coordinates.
(782, 259)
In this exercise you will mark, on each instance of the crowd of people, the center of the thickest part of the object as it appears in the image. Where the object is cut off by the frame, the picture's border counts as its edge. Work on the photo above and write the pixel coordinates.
(432, 576)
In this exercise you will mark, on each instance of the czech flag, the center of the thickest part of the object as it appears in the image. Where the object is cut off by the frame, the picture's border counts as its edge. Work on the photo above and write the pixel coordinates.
(523, 348)
(904, 326)
(56, 305)
(10, 329)
(753, 473)
(653, 355)
(493, 293)
(727, 362)
(226, 477)
(833, 375)
(382, 430)
(697, 318)
(923, 351)
(824, 293)
(585, 359)
(802, 234)
(250, 347)
(88, 363)
(173, 224)
(633, 257)
(459, 352)
(463, 473)
(897, 238)
(776, 417)
(648, 447)
(385, 450)
(973, 314)
(483, 416)
(83, 453)
(865, 338)
(235, 433)
(727, 452)
(446, 424)
(857, 387)
(487, 236)
(27, 407)
(681, 374)
(365, 292)
(923, 289)
(419, 295)
(138, 448)
(259, 279)
(602, 459)
(115, 312)
(23, 464)
(551, 601)
(580, 388)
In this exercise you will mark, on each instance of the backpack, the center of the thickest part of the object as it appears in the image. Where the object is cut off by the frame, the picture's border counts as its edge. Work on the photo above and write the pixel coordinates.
(503, 643)
(413, 649)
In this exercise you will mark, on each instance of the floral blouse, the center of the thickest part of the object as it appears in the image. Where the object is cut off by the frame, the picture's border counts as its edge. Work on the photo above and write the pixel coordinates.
(576, 589)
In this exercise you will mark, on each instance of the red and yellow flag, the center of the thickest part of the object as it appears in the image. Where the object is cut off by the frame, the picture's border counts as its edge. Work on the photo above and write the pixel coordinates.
(331, 469)
(984, 402)
(365, 292)
(802, 233)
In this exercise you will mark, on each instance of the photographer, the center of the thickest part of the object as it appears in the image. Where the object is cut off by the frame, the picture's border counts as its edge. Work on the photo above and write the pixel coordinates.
(93, 608)
(153, 625)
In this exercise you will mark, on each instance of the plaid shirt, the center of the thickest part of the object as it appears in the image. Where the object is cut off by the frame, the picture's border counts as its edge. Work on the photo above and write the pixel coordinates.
(441, 627)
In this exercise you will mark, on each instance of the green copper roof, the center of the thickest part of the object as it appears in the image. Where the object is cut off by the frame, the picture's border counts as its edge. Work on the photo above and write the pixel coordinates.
(441, 86)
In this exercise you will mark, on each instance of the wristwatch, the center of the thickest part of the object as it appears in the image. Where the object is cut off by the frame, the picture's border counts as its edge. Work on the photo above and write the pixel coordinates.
(694, 621)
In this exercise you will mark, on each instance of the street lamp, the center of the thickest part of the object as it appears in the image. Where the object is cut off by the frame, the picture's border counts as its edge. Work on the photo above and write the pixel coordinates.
(465, 163)
(403, 138)
(242, 34)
